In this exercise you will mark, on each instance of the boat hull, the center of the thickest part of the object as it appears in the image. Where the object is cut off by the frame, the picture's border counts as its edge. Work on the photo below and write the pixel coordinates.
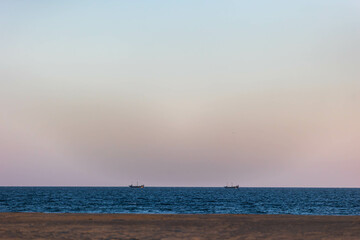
(136, 186)
(233, 187)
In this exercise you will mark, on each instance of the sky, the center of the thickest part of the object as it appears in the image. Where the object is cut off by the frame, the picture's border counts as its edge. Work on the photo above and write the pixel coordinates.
(180, 93)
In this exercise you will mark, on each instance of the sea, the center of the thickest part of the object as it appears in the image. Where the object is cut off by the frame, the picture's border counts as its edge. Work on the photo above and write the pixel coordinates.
(181, 200)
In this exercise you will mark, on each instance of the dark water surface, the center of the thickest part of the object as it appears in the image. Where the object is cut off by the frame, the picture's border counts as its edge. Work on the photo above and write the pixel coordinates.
(309, 201)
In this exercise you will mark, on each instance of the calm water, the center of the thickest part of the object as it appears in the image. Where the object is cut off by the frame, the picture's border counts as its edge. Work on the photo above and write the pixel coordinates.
(311, 201)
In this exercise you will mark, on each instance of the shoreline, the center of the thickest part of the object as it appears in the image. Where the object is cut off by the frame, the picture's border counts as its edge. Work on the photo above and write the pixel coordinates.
(176, 226)
(182, 214)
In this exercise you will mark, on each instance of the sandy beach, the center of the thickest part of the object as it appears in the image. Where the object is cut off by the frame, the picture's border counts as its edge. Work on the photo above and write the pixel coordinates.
(140, 226)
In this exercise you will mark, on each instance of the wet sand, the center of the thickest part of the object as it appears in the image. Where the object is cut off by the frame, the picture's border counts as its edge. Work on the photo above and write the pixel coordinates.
(140, 226)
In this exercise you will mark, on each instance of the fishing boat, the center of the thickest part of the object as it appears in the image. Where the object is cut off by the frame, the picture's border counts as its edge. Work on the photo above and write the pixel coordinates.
(136, 186)
(232, 186)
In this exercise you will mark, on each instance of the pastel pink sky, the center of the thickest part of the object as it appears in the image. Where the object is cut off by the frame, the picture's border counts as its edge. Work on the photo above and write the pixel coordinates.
(180, 93)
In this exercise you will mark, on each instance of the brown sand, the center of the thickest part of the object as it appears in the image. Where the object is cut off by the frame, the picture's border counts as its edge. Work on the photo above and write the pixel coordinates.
(139, 226)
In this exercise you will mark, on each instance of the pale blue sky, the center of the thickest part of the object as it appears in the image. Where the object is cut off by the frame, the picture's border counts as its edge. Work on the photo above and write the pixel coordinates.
(260, 93)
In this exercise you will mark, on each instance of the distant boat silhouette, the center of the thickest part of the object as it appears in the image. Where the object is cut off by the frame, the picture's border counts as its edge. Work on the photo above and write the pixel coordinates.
(232, 186)
(137, 185)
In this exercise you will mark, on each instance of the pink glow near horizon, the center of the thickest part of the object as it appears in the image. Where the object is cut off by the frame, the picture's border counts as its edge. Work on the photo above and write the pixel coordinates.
(232, 93)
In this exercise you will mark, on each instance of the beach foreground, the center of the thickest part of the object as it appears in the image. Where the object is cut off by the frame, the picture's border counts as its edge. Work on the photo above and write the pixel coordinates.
(146, 226)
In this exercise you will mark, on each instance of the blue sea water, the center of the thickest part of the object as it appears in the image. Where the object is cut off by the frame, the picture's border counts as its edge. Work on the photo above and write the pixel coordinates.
(300, 201)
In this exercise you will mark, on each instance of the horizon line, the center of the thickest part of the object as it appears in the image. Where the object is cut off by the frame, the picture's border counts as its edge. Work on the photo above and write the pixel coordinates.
(155, 186)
